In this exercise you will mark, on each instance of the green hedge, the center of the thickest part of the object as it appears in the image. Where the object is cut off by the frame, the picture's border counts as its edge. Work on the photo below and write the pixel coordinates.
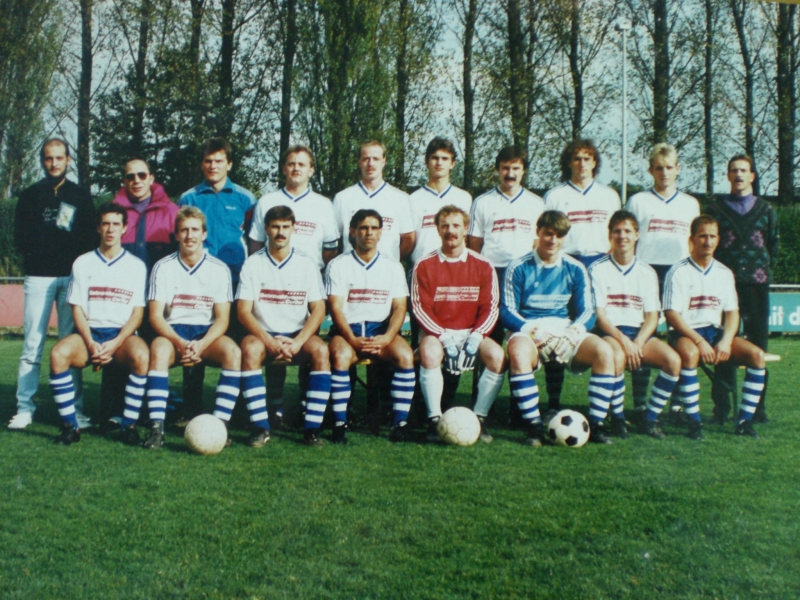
(788, 269)
(10, 261)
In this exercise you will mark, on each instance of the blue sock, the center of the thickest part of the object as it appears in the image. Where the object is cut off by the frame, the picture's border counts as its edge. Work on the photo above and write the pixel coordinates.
(601, 387)
(340, 394)
(157, 393)
(640, 379)
(689, 388)
(319, 390)
(618, 398)
(255, 396)
(227, 393)
(660, 394)
(134, 396)
(751, 392)
(64, 394)
(526, 391)
(402, 391)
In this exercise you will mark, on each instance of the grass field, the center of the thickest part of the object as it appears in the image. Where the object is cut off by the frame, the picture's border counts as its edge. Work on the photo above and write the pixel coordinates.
(639, 519)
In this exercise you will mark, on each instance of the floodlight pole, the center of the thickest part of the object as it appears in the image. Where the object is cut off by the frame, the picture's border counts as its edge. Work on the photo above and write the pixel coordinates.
(624, 25)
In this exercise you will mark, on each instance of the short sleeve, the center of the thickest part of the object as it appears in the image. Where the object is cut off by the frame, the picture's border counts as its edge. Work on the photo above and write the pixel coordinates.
(476, 219)
(331, 232)
(257, 232)
(246, 290)
(598, 290)
(334, 285)
(337, 214)
(652, 303)
(730, 299)
(138, 293)
(399, 283)
(404, 213)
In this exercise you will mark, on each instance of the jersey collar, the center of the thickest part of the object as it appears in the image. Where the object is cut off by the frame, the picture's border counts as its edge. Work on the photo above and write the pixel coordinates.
(204, 188)
(368, 265)
(107, 262)
(435, 193)
(371, 194)
(579, 190)
(542, 265)
(462, 258)
(274, 262)
(699, 268)
(622, 269)
(296, 198)
(662, 198)
(509, 198)
(191, 270)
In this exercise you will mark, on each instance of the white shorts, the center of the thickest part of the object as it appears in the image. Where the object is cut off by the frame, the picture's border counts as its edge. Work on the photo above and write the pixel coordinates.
(459, 336)
(557, 328)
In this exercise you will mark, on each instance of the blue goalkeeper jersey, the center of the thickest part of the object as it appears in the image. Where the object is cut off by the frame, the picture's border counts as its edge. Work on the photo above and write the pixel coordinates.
(533, 290)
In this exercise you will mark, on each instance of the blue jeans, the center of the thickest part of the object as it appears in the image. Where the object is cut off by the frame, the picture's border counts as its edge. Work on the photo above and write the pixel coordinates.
(40, 293)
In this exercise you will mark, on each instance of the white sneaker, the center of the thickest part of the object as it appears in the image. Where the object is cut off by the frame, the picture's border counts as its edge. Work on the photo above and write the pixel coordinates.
(20, 420)
(84, 422)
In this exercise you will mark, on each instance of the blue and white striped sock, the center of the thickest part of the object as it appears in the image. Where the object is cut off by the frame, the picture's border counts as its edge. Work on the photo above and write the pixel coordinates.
(689, 388)
(751, 392)
(660, 394)
(618, 398)
(134, 396)
(157, 393)
(319, 390)
(64, 394)
(340, 394)
(402, 391)
(255, 396)
(526, 391)
(227, 393)
(601, 387)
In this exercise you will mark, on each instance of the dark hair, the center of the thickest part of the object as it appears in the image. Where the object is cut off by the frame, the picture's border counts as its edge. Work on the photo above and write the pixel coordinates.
(440, 143)
(49, 142)
(364, 213)
(622, 215)
(111, 207)
(698, 222)
(448, 210)
(299, 148)
(279, 213)
(511, 153)
(134, 159)
(555, 220)
(569, 153)
(214, 145)
(746, 157)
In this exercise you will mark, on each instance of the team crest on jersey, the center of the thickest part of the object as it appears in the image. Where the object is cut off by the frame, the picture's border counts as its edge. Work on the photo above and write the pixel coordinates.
(282, 297)
(428, 221)
(192, 302)
(701, 302)
(109, 294)
(625, 301)
(456, 294)
(304, 227)
(502, 225)
(668, 226)
(587, 216)
(362, 296)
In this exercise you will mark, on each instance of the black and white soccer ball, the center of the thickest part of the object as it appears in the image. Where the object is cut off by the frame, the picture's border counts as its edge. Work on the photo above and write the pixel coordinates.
(568, 428)
(206, 434)
(459, 426)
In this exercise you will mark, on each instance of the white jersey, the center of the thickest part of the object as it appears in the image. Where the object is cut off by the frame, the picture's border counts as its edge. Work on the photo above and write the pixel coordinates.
(589, 212)
(507, 225)
(314, 227)
(280, 291)
(664, 225)
(393, 206)
(190, 293)
(367, 288)
(701, 296)
(625, 292)
(425, 203)
(107, 290)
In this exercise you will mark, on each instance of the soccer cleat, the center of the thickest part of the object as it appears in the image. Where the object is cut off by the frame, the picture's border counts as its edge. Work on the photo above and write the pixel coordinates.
(652, 429)
(399, 432)
(339, 433)
(535, 435)
(20, 420)
(718, 419)
(130, 436)
(677, 417)
(84, 422)
(69, 435)
(311, 438)
(258, 438)
(156, 438)
(598, 435)
(695, 430)
(760, 416)
(746, 428)
(619, 429)
(485, 436)
(640, 417)
(276, 418)
(432, 434)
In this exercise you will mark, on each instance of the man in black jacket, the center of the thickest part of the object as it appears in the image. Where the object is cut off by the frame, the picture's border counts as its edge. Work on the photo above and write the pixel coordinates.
(54, 224)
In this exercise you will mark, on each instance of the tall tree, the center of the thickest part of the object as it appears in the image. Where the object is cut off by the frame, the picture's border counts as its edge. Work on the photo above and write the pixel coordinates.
(661, 81)
(290, 41)
(787, 65)
(739, 11)
(85, 94)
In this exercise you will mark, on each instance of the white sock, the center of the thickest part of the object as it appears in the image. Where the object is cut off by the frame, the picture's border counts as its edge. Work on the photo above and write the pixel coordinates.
(432, 384)
(488, 387)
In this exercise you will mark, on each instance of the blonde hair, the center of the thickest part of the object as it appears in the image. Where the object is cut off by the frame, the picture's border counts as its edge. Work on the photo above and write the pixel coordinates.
(665, 151)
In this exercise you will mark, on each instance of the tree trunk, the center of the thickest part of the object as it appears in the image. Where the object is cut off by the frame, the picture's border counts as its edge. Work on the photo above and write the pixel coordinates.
(661, 71)
(225, 105)
(739, 7)
(289, 49)
(575, 68)
(708, 97)
(516, 46)
(85, 95)
(787, 100)
(140, 91)
(469, 96)
(402, 93)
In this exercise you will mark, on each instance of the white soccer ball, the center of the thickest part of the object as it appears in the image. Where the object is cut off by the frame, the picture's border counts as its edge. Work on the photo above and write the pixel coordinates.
(459, 426)
(206, 434)
(568, 428)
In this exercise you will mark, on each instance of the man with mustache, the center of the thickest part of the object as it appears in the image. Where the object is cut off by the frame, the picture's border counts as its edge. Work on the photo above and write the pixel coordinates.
(748, 245)
(54, 224)
(281, 304)
(702, 310)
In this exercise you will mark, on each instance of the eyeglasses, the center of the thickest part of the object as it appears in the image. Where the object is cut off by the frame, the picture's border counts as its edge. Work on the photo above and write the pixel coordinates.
(132, 176)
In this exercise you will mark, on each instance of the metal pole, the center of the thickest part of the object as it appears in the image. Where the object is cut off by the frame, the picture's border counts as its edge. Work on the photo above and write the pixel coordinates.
(624, 25)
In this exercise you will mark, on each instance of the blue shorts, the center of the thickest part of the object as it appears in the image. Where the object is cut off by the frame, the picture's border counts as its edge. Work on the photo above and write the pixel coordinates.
(191, 332)
(102, 334)
(288, 335)
(364, 329)
(710, 334)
